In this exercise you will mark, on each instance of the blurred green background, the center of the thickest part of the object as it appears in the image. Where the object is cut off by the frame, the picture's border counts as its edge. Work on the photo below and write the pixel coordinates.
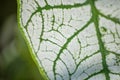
(15, 60)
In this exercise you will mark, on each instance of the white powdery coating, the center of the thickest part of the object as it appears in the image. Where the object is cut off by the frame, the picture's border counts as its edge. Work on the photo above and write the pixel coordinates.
(34, 30)
(109, 7)
(114, 77)
(98, 77)
(112, 65)
(88, 67)
(110, 36)
(41, 3)
(64, 2)
(28, 7)
(68, 60)
(61, 69)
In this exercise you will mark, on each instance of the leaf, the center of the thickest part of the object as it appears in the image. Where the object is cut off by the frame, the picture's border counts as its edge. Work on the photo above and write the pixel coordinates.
(75, 39)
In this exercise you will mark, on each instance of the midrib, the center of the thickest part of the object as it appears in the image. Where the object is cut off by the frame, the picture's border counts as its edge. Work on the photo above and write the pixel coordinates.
(95, 18)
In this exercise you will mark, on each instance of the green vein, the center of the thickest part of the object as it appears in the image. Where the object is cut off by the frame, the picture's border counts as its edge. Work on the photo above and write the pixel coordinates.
(66, 44)
(48, 7)
(94, 74)
(84, 60)
(37, 3)
(113, 19)
(76, 5)
(42, 30)
(60, 75)
(66, 68)
(80, 47)
(115, 73)
(47, 40)
(53, 20)
(103, 51)
(117, 54)
(46, 2)
(30, 19)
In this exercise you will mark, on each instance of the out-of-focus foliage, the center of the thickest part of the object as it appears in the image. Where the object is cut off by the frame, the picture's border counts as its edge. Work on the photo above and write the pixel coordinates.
(15, 62)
